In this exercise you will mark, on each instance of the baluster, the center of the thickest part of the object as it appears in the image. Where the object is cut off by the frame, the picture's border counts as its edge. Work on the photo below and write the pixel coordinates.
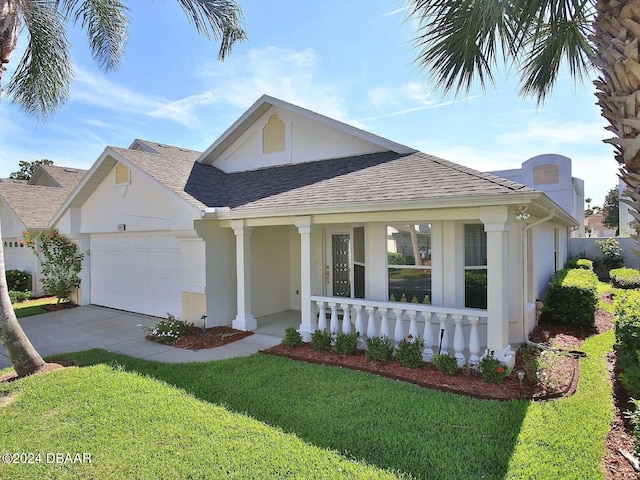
(385, 331)
(444, 344)
(322, 316)
(360, 325)
(427, 353)
(413, 326)
(474, 342)
(372, 331)
(458, 340)
(333, 324)
(346, 318)
(398, 333)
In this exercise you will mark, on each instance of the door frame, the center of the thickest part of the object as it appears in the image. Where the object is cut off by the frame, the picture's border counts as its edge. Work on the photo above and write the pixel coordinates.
(327, 254)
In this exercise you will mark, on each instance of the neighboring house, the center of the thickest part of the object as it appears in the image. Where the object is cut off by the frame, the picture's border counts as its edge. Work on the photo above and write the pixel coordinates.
(595, 228)
(291, 210)
(551, 174)
(29, 205)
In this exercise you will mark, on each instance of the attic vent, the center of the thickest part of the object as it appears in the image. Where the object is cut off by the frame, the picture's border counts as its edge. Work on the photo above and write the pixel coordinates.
(122, 174)
(70, 170)
(273, 135)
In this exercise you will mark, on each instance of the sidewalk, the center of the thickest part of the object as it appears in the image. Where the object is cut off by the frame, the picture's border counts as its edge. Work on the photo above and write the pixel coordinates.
(88, 327)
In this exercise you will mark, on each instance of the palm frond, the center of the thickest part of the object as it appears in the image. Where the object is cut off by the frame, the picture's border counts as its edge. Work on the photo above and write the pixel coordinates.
(220, 19)
(106, 24)
(41, 81)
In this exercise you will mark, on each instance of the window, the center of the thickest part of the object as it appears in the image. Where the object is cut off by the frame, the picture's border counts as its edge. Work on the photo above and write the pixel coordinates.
(122, 174)
(273, 135)
(475, 266)
(409, 263)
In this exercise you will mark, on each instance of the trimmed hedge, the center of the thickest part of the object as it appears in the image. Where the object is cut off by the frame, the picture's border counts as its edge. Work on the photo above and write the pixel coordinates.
(581, 263)
(625, 278)
(572, 298)
(627, 346)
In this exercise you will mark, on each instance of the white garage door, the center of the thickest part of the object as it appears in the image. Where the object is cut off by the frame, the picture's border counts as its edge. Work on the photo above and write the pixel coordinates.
(137, 272)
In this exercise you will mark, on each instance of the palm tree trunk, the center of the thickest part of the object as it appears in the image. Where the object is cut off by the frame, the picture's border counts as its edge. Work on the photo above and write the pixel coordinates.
(8, 33)
(616, 38)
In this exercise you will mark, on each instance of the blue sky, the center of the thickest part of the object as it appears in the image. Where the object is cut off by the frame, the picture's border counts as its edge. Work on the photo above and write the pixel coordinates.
(352, 61)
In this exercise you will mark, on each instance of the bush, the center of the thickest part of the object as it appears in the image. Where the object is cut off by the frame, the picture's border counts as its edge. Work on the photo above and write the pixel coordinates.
(445, 363)
(492, 369)
(292, 337)
(627, 346)
(409, 352)
(612, 252)
(625, 278)
(379, 349)
(321, 340)
(18, 281)
(169, 329)
(581, 263)
(347, 343)
(634, 417)
(572, 298)
(17, 297)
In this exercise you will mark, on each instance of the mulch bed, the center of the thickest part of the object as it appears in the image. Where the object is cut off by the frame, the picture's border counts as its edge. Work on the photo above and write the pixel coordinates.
(193, 339)
(54, 307)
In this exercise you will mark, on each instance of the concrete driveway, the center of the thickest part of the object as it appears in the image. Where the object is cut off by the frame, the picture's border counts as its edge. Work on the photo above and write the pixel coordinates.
(83, 328)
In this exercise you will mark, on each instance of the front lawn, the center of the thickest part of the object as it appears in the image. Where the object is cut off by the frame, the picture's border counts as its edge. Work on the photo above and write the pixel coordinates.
(386, 423)
(33, 307)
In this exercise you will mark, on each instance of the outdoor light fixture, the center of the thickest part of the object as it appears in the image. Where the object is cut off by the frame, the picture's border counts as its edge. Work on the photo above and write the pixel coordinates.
(204, 326)
(520, 374)
(522, 213)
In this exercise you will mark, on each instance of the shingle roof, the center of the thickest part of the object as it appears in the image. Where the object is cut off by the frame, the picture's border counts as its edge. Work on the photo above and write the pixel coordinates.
(36, 204)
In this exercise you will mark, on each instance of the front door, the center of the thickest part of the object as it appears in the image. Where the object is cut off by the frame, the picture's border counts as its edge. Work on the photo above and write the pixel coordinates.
(338, 264)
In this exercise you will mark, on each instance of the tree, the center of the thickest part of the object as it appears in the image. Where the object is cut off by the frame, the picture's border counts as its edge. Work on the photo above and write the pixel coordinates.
(610, 209)
(463, 41)
(40, 84)
(27, 168)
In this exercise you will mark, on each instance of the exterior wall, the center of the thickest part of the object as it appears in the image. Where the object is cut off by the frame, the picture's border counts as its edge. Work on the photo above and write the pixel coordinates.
(270, 270)
(305, 141)
(294, 269)
(624, 217)
(581, 247)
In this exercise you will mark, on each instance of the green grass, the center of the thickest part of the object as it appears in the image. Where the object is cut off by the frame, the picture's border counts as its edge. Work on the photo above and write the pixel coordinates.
(33, 307)
(400, 427)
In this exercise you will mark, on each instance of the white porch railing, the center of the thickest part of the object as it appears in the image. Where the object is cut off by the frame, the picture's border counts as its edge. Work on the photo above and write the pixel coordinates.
(373, 318)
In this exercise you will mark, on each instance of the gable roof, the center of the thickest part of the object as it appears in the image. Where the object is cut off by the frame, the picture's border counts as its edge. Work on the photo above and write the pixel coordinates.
(36, 204)
(264, 103)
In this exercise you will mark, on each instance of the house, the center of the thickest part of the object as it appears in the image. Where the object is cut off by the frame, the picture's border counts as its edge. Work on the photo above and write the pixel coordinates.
(28, 205)
(291, 210)
(595, 228)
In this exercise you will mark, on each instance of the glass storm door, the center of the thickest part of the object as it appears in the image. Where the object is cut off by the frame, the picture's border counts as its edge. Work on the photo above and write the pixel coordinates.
(337, 270)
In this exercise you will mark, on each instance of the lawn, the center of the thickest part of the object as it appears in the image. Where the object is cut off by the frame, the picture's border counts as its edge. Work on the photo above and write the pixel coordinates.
(175, 420)
(33, 307)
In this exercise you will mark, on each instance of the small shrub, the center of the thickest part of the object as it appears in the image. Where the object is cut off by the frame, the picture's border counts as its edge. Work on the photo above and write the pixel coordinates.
(18, 281)
(634, 417)
(347, 343)
(572, 298)
(379, 349)
(612, 252)
(321, 340)
(492, 369)
(17, 297)
(292, 337)
(169, 329)
(626, 278)
(627, 345)
(409, 352)
(581, 263)
(445, 363)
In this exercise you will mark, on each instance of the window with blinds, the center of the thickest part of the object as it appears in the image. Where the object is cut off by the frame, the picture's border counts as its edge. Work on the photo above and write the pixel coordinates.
(475, 266)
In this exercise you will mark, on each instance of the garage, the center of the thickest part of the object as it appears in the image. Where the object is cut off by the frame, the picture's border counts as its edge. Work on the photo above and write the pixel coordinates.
(137, 272)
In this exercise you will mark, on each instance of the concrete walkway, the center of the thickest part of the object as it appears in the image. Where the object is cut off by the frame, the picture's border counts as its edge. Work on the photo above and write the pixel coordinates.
(83, 328)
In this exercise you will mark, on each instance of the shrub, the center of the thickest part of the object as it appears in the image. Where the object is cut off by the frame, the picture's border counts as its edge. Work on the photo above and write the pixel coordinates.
(625, 278)
(612, 252)
(379, 349)
(582, 263)
(17, 297)
(627, 345)
(445, 363)
(572, 298)
(321, 340)
(347, 343)
(169, 329)
(409, 352)
(492, 369)
(634, 417)
(292, 337)
(18, 281)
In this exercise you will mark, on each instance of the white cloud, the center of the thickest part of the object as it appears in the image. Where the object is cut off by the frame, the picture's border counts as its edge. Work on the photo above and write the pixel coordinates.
(396, 11)
(554, 134)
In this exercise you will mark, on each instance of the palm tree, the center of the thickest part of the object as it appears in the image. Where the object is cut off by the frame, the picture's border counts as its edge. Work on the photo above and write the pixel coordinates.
(40, 84)
(463, 41)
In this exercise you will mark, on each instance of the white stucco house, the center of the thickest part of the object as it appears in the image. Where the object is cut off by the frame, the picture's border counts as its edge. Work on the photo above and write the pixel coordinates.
(291, 210)
(28, 205)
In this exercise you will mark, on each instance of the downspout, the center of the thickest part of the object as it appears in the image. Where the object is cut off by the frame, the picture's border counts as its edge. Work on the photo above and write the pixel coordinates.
(525, 271)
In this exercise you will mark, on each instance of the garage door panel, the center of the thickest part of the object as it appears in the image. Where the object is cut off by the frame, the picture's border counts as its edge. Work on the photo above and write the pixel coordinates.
(138, 272)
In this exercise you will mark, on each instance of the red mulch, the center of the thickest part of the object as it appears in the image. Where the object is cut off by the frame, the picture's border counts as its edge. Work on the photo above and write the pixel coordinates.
(214, 337)
(54, 307)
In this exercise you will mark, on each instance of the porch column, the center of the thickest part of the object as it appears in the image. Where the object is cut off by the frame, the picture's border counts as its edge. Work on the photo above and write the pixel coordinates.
(498, 284)
(309, 322)
(244, 319)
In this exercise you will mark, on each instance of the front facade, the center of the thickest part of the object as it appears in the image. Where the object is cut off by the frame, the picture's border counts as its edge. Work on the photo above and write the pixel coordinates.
(290, 210)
